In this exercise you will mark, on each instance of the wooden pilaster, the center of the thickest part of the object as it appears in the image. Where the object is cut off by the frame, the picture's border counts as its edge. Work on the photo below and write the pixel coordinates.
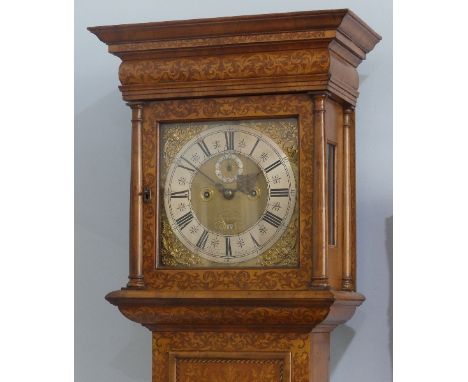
(319, 227)
(347, 278)
(136, 201)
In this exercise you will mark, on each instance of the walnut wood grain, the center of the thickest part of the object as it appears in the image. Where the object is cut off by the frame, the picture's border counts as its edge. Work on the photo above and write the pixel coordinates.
(240, 311)
(319, 356)
(352, 138)
(205, 366)
(344, 20)
(309, 349)
(136, 201)
(334, 136)
(239, 353)
(319, 278)
(347, 273)
(275, 53)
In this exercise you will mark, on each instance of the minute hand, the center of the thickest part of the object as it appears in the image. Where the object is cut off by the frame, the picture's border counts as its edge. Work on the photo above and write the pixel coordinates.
(219, 186)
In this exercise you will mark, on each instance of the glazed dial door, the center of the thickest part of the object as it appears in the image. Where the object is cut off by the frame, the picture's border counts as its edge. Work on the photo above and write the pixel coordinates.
(229, 194)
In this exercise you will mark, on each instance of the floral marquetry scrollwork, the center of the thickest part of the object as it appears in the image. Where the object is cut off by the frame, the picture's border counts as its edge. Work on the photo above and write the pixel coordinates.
(295, 344)
(224, 67)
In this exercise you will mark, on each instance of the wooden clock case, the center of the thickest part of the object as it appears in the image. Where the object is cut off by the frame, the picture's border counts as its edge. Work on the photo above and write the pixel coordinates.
(257, 324)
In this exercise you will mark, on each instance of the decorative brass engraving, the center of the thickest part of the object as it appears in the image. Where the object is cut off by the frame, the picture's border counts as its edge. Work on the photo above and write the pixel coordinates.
(173, 252)
(284, 252)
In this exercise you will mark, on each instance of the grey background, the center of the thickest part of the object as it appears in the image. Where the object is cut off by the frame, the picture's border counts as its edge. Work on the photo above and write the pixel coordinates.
(109, 347)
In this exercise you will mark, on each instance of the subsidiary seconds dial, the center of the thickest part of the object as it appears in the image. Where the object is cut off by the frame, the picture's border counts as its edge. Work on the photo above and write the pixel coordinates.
(229, 194)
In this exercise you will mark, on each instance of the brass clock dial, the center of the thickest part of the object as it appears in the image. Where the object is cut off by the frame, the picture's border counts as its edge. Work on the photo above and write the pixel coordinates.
(229, 194)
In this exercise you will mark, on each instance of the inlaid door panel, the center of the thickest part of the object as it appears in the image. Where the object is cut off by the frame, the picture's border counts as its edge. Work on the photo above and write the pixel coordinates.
(229, 366)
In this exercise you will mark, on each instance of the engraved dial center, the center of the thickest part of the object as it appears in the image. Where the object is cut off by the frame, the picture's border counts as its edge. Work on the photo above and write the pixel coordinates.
(230, 211)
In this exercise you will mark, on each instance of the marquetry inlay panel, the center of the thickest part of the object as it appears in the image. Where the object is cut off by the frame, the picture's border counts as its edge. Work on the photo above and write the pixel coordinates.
(229, 367)
(223, 356)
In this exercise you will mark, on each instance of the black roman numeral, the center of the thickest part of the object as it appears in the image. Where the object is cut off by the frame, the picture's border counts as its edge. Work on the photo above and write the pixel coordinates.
(228, 247)
(229, 135)
(272, 219)
(184, 220)
(254, 147)
(204, 148)
(279, 192)
(179, 194)
(255, 241)
(273, 166)
(202, 240)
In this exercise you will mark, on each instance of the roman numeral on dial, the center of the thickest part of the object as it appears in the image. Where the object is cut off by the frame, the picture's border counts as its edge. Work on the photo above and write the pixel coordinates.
(202, 240)
(184, 220)
(228, 247)
(279, 192)
(179, 194)
(204, 148)
(187, 168)
(254, 146)
(229, 135)
(272, 166)
(272, 219)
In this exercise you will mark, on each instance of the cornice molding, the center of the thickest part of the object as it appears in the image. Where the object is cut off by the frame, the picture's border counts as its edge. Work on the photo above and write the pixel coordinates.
(258, 54)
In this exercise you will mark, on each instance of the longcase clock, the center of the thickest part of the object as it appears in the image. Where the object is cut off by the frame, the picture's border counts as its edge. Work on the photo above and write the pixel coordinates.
(242, 210)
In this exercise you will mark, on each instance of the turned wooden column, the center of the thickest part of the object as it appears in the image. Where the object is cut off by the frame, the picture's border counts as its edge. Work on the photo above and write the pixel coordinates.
(347, 281)
(319, 226)
(136, 201)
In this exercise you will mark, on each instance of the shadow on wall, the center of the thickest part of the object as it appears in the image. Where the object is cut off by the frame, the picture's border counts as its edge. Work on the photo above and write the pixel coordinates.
(102, 167)
(134, 360)
(107, 347)
(343, 335)
(389, 250)
(340, 340)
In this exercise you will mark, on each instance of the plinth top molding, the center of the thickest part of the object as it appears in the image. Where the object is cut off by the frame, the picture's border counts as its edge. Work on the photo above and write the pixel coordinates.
(257, 54)
(197, 310)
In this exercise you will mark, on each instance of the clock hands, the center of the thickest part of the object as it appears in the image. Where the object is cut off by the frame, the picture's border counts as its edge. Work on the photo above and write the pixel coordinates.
(219, 186)
(227, 193)
(244, 183)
